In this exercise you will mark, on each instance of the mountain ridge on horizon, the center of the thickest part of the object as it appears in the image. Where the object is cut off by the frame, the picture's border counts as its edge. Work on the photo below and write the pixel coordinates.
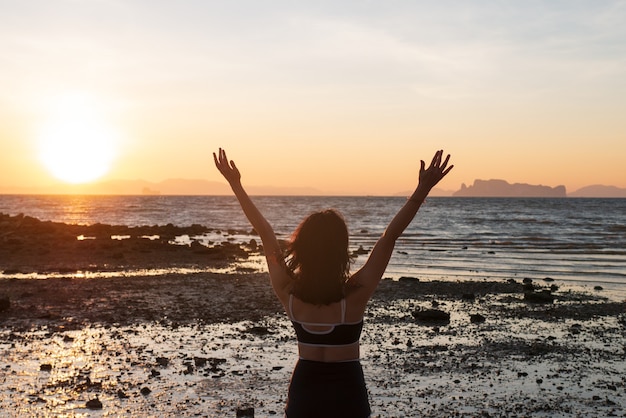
(181, 187)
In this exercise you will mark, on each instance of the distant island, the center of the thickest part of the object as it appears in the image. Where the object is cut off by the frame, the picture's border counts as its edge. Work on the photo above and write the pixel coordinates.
(501, 188)
(599, 190)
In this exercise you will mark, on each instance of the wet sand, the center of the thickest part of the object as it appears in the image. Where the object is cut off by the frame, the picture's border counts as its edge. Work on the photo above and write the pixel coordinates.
(207, 344)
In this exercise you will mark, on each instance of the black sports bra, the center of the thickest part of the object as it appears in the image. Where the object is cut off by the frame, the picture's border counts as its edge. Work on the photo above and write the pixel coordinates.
(343, 333)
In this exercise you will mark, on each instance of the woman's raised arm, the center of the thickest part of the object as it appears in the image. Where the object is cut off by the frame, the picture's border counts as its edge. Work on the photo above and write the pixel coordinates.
(273, 253)
(372, 271)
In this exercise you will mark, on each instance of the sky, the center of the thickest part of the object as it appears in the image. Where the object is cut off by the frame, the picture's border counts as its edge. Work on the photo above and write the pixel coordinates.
(342, 96)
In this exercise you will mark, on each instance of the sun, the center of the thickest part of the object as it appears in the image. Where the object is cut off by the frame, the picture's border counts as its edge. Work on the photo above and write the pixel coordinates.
(76, 144)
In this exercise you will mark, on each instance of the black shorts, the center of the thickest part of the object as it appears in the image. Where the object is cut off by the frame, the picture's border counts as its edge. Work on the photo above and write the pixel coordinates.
(320, 389)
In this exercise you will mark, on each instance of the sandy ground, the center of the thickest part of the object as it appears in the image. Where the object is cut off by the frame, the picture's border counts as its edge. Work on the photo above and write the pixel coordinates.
(211, 345)
(207, 344)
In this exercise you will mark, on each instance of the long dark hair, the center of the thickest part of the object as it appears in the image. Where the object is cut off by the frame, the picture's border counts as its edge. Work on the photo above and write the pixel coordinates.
(318, 258)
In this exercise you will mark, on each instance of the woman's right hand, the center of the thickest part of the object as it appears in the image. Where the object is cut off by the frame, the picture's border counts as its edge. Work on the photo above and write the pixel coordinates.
(227, 168)
(437, 170)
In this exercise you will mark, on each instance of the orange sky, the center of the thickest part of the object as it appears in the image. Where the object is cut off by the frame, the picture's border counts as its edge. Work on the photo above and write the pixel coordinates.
(344, 98)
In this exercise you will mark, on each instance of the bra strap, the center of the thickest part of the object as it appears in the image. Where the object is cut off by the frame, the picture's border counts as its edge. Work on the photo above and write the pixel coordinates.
(291, 307)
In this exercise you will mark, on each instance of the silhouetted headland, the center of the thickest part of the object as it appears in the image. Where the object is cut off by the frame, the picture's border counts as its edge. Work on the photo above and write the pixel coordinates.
(502, 188)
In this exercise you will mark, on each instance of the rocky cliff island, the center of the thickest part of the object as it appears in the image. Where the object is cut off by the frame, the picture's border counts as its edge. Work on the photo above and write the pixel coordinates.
(501, 188)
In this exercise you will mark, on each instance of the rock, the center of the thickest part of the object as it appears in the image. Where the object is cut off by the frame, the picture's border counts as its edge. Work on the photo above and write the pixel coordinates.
(539, 297)
(575, 328)
(245, 412)
(45, 367)
(257, 330)
(598, 288)
(121, 394)
(145, 391)
(360, 251)
(548, 279)
(163, 361)
(432, 315)
(408, 279)
(477, 318)
(94, 404)
(527, 280)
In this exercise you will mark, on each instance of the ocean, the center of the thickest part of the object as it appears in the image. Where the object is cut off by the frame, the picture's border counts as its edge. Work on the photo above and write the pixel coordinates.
(570, 240)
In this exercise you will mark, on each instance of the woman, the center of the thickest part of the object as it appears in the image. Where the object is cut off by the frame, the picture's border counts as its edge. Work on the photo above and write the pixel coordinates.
(324, 302)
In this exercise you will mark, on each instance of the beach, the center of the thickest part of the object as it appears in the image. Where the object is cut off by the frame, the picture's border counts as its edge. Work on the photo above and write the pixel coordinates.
(209, 343)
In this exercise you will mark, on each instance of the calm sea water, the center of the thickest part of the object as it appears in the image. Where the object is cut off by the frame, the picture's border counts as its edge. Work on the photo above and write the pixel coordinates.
(568, 239)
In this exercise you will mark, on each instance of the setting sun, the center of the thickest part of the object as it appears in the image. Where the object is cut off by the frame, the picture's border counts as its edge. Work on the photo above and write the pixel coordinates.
(76, 145)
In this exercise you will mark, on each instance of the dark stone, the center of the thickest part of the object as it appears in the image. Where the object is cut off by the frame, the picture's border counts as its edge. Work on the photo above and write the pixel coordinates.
(575, 328)
(432, 315)
(245, 412)
(121, 394)
(527, 280)
(360, 251)
(213, 363)
(408, 279)
(45, 367)
(476, 318)
(258, 331)
(539, 297)
(200, 361)
(145, 391)
(94, 404)
(548, 279)
(163, 361)
(598, 288)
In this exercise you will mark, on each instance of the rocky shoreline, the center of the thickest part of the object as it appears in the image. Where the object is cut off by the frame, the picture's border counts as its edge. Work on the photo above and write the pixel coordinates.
(209, 344)
(29, 245)
(215, 344)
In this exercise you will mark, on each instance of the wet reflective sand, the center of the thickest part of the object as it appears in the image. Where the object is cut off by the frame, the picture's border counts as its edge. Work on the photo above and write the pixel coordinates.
(212, 344)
